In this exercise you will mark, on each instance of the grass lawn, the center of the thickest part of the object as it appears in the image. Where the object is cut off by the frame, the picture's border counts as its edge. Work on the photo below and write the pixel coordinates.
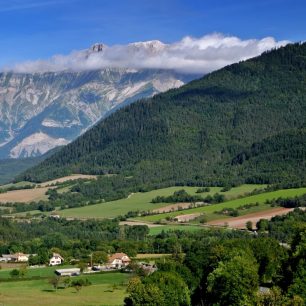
(209, 210)
(142, 201)
(32, 272)
(106, 289)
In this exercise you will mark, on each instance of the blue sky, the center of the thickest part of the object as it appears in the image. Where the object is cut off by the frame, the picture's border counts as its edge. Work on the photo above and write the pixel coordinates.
(32, 29)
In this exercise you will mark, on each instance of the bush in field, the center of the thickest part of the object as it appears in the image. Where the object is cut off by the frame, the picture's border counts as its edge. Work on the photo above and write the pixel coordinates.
(249, 225)
(14, 273)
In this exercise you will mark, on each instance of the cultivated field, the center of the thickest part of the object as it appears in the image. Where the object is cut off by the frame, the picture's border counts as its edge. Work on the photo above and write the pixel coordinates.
(38, 193)
(24, 195)
(106, 289)
(209, 210)
(240, 222)
(142, 202)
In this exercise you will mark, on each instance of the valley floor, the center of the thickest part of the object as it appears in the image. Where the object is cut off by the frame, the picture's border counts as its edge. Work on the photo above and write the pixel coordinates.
(248, 200)
(106, 289)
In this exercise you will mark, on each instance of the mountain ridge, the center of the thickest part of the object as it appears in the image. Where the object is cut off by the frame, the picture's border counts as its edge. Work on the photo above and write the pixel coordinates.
(192, 134)
(63, 105)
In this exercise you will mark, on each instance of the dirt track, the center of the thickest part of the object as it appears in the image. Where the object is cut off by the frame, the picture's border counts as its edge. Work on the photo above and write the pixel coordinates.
(239, 222)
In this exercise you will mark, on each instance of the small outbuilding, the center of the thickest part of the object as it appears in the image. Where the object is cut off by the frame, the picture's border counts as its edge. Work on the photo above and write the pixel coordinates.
(68, 272)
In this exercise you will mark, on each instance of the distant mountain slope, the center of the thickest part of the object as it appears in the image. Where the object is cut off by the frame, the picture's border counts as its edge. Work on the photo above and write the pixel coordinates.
(196, 133)
(39, 111)
(10, 168)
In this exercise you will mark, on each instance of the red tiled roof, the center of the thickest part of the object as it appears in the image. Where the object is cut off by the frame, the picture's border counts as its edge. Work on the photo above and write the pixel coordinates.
(118, 256)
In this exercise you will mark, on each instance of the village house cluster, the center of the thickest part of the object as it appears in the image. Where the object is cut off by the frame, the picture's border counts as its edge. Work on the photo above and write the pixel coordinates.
(55, 260)
(116, 261)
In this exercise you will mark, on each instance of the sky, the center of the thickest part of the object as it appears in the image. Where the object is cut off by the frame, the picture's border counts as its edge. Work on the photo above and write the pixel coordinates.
(40, 29)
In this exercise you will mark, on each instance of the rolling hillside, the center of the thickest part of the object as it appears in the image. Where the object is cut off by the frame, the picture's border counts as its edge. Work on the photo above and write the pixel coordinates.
(243, 123)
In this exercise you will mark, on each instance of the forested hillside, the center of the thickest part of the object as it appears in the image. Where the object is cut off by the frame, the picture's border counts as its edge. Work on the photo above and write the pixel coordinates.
(243, 123)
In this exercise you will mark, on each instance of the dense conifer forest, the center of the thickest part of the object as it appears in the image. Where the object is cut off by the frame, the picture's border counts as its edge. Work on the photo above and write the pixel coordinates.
(243, 123)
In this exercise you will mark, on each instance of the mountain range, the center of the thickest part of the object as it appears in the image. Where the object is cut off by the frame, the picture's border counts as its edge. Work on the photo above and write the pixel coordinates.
(42, 110)
(243, 123)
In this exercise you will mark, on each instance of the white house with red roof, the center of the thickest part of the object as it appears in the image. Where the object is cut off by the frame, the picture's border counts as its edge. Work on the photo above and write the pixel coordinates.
(118, 260)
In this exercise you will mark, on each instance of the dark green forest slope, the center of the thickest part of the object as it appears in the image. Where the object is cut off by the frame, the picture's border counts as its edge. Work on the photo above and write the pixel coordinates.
(243, 123)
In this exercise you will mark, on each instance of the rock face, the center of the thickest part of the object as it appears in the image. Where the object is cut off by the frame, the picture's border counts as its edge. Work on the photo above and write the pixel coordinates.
(39, 111)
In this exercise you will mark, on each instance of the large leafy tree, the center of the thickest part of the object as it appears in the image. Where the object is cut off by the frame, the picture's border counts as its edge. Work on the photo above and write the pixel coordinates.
(234, 282)
(160, 288)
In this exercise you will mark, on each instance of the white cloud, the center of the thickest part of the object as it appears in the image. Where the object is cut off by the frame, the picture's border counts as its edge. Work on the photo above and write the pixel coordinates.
(190, 55)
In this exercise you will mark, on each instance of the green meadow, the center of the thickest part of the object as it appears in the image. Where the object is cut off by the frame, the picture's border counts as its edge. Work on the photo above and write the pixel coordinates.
(105, 289)
(32, 272)
(142, 202)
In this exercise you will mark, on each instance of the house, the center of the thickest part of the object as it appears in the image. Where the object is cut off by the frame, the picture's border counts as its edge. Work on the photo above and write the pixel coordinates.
(20, 257)
(68, 272)
(56, 259)
(118, 260)
(17, 257)
(6, 258)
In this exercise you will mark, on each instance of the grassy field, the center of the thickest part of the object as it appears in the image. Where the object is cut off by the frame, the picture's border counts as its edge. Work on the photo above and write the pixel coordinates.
(106, 289)
(32, 272)
(17, 185)
(142, 201)
(188, 228)
(209, 210)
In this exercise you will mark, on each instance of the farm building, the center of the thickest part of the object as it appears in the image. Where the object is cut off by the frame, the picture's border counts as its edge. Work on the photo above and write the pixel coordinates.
(6, 258)
(17, 257)
(56, 259)
(68, 272)
(118, 260)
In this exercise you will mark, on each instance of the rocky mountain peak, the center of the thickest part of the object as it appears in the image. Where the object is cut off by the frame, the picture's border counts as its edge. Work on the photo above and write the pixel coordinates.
(97, 47)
